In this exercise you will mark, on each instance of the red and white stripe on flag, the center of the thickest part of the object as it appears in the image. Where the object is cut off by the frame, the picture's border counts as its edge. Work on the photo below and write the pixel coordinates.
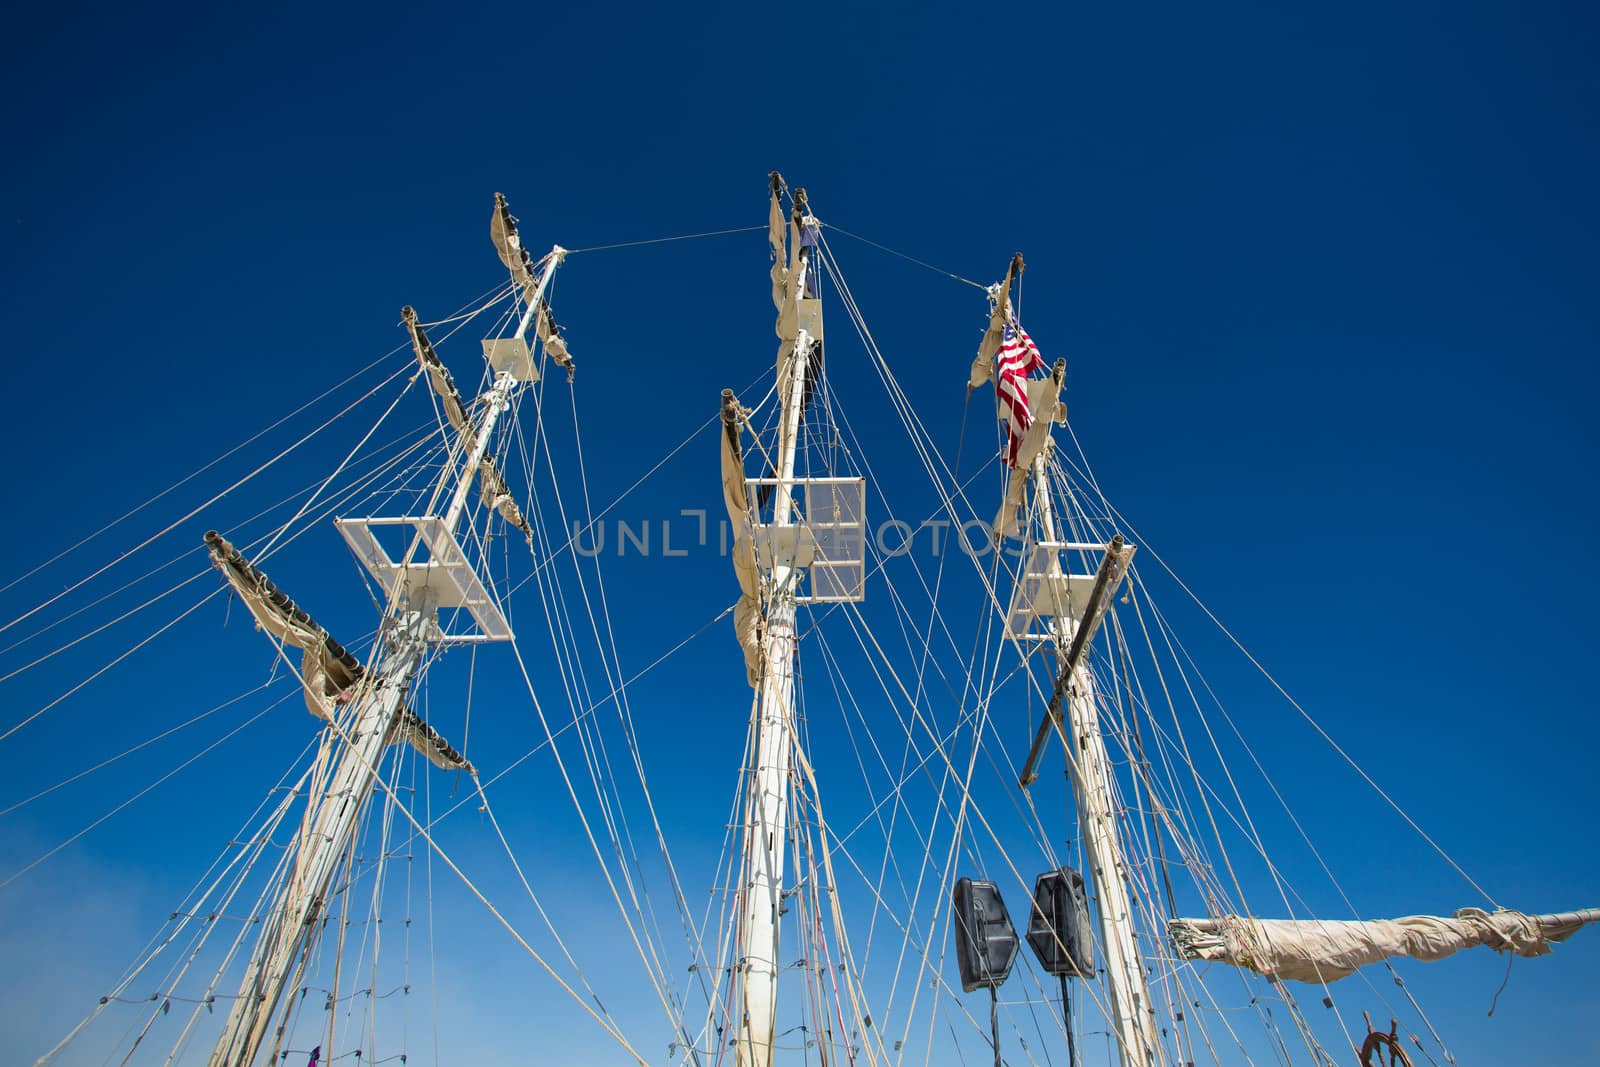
(1018, 357)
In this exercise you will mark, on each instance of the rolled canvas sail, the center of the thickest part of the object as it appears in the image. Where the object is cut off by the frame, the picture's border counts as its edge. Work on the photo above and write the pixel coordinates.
(1311, 950)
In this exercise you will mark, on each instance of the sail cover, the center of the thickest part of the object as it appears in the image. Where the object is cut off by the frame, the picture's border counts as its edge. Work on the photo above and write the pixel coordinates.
(330, 672)
(1313, 951)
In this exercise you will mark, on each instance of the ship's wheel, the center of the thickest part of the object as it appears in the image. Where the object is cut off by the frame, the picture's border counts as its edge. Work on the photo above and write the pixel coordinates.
(1383, 1050)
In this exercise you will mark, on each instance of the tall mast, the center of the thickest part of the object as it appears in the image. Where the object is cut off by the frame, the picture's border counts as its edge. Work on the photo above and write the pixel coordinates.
(1089, 777)
(352, 747)
(767, 806)
(1075, 605)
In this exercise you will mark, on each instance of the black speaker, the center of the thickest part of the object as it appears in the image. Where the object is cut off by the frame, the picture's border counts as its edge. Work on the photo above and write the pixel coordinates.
(1059, 930)
(986, 942)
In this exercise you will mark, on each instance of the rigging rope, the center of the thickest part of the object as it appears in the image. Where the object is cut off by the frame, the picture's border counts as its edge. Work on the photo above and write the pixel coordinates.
(195, 511)
(186, 554)
(902, 255)
(130, 751)
(932, 464)
(199, 471)
(605, 1021)
(909, 417)
(663, 240)
(1315, 725)
(225, 737)
(148, 638)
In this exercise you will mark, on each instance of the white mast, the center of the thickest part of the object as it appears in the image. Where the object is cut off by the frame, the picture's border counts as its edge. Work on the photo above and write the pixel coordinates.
(332, 814)
(1088, 770)
(355, 741)
(767, 805)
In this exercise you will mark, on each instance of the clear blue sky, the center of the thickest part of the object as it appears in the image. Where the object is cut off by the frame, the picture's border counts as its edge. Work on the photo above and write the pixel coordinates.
(1326, 282)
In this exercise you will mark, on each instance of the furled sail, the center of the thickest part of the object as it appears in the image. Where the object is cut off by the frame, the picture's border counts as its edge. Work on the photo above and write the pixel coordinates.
(549, 335)
(497, 495)
(785, 266)
(1044, 401)
(331, 673)
(507, 242)
(794, 239)
(776, 237)
(747, 612)
(1310, 950)
(1026, 405)
(443, 384)
(983, 365)
(794, 282)
(329, 670)
(426, 740)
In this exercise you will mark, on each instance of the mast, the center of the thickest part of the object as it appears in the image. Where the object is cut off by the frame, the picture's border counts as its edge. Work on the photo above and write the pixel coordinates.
(332, 815)
(1074, 605)
(767, 806)
(1089, 780)
(352, 746)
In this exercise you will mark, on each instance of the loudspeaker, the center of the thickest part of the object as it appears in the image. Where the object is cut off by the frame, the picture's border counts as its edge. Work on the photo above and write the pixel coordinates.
(1059, 930)
(986, 942)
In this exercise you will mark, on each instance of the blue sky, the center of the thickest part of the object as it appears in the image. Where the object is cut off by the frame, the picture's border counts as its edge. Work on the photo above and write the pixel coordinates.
(1325, 282)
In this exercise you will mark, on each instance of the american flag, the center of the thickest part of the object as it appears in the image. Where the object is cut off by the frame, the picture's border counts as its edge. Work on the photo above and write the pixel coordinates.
(1018, 357)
